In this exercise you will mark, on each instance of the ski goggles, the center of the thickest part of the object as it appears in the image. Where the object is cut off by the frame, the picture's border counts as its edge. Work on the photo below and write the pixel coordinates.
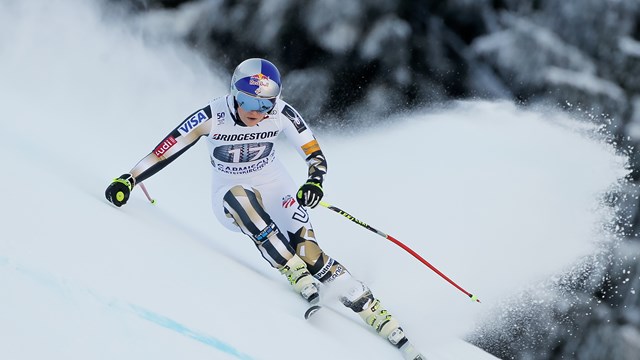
(250, 103)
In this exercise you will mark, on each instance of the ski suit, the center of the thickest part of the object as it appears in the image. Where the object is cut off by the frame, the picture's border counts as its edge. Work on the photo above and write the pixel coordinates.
(251, 190)
(253, 193)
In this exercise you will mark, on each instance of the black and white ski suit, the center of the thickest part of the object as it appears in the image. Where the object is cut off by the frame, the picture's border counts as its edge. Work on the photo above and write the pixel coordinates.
(251, 190)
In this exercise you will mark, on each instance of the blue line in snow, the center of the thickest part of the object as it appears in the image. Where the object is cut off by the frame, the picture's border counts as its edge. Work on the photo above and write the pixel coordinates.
(45, 279)
(175, 326)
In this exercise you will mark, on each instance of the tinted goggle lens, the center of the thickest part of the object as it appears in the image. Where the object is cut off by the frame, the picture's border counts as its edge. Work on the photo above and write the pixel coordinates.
(250, 103)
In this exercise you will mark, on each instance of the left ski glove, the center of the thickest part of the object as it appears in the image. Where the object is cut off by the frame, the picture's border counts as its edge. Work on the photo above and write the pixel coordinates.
(118, 191)
(310, 193)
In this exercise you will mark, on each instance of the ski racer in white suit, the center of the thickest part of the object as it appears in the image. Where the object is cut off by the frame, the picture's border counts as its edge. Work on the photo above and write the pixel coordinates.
(254, 194)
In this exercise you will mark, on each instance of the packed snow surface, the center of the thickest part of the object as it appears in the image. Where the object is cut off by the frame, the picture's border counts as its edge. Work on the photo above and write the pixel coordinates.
(494, 196)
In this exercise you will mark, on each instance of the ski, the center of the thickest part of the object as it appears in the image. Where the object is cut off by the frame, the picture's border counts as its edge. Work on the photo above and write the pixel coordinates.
(311, 310)
(409, 352)
(406, 348)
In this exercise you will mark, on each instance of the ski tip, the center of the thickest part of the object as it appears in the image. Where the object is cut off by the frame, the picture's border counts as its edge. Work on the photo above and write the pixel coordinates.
(474, 298)
(311, 310)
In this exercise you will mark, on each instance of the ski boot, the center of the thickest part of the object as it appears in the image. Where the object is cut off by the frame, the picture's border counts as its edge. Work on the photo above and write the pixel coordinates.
(301, 279)
(361, 300)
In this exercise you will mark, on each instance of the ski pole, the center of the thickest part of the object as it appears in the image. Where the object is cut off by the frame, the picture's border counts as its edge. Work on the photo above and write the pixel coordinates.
(400, 244)
(146, 193)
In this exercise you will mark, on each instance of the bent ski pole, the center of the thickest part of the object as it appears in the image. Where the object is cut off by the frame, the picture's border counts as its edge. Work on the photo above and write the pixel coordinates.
(146, 193)
(403, 246)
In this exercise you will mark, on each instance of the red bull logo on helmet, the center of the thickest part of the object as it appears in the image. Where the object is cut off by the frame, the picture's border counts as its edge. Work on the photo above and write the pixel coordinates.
(259, 80)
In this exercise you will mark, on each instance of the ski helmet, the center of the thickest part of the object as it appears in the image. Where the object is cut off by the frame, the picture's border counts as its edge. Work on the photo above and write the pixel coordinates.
(255, 85)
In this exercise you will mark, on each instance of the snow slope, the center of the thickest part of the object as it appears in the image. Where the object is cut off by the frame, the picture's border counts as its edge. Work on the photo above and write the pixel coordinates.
(494, 196)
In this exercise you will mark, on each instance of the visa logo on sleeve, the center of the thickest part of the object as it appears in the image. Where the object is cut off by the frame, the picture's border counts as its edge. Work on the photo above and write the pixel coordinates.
(192, 122)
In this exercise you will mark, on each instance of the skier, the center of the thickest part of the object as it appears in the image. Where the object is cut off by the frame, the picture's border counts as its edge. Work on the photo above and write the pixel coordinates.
(253, 193)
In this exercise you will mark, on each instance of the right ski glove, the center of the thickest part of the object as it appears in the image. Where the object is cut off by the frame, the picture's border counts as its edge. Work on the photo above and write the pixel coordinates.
(118, 191)
(310, 193)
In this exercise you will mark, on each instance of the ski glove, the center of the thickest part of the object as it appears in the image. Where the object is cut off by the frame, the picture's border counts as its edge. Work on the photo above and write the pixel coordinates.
(310, 193)
(118, 191)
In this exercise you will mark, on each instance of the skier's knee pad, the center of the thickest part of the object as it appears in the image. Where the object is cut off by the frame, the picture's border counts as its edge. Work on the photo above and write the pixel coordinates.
(270, 230)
